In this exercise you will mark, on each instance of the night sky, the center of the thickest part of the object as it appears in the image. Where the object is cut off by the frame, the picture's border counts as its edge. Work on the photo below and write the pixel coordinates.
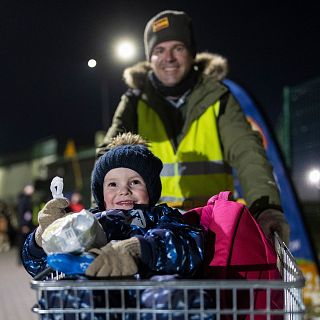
(47, 88)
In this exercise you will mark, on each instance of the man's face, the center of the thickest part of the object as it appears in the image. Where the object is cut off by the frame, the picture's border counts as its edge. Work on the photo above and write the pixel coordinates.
(171, 61)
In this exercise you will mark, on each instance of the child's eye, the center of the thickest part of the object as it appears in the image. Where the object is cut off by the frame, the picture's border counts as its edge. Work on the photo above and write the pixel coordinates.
(135, 182)
(111, 184)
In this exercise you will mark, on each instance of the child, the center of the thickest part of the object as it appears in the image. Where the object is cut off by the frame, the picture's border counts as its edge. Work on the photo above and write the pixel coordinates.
(152, 239)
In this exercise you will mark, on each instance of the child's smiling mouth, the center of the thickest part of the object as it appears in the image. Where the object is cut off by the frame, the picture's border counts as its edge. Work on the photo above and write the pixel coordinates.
(126, 203)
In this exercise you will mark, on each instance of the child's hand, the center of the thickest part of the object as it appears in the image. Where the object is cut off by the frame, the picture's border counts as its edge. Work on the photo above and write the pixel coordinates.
(53, 210)
(116, 259)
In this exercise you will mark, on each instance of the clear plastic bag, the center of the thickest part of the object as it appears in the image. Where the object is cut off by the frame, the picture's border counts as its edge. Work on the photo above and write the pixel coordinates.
(73, 233)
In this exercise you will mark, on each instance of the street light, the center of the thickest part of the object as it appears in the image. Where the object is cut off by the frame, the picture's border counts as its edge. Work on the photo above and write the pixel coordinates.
(314, 177)
(92, 63)
(124, 51)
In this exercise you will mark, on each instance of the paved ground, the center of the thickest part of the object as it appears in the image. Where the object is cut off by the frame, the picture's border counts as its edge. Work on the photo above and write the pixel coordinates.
(16, 296)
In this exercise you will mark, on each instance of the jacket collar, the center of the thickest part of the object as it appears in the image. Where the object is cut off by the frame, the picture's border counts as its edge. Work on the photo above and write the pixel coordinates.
(212, 65)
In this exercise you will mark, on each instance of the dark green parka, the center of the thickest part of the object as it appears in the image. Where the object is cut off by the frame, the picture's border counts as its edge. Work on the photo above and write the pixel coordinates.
(242, 147)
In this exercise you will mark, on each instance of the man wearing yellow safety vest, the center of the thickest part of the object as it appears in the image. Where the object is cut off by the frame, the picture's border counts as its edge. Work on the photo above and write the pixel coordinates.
(194, 124)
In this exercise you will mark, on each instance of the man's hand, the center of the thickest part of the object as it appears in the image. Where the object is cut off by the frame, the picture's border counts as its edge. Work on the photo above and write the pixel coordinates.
(53, 210)
(272, 220)
(116, 259)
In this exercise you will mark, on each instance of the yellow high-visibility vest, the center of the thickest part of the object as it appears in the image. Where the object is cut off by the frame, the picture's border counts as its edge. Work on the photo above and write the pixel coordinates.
(196, 170)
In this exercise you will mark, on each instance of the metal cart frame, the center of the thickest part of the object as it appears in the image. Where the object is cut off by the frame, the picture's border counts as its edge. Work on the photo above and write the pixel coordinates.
(290, 287)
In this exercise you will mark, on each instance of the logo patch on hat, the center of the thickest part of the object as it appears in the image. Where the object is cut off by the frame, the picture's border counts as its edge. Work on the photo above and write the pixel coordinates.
(160, 24)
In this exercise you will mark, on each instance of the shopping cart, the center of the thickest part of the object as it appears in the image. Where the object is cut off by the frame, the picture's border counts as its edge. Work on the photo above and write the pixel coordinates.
(131, 299)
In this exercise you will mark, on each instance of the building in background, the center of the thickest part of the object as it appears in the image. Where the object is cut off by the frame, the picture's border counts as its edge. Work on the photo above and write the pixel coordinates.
(41, 162)
(300, 136)
(24, 166)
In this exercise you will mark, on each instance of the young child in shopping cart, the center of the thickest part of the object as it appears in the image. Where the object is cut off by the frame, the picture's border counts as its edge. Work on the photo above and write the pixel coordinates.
(150, 239)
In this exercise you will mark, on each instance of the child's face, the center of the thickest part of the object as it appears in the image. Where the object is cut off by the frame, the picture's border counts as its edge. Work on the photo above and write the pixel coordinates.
(122, 188)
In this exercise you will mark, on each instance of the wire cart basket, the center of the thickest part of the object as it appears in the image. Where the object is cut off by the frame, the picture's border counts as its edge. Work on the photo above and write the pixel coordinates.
(131, 299)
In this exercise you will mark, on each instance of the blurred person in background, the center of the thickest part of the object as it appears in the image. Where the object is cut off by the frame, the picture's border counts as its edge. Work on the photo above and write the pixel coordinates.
(76, 204)
(24, 216)
(6, 229)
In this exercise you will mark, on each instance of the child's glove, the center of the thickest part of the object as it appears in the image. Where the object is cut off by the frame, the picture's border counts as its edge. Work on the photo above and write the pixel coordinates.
(53, 210)
(272, 220)
(116, 259)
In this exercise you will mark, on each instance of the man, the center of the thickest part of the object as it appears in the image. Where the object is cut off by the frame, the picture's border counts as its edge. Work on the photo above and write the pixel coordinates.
(194, 124)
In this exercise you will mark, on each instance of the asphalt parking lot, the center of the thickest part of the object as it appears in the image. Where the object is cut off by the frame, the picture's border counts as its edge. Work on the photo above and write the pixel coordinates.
(16, 295)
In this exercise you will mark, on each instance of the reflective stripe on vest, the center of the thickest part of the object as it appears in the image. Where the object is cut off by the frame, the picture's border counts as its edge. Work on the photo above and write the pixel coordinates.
(196, 170)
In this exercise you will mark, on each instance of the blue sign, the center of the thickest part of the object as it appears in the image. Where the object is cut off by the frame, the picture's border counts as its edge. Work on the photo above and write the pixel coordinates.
(300, 245)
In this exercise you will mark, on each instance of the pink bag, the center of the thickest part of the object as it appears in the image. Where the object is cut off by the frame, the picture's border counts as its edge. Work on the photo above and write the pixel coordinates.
(236, 248)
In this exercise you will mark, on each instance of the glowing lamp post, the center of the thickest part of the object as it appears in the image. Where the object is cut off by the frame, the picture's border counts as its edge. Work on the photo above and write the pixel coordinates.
(314, 178)
(92, 63)
(124, 51)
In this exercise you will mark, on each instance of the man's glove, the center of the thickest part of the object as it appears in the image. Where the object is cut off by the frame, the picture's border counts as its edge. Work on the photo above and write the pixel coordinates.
(116, 259)
(53, 210)
(272, 220)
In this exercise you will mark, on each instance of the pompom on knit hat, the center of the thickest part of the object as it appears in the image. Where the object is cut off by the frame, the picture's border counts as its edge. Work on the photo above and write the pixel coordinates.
(169, 25)
(136, 157)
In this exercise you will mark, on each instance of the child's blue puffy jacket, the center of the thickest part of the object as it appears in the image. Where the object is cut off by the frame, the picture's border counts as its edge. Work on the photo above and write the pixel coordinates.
(168, 244)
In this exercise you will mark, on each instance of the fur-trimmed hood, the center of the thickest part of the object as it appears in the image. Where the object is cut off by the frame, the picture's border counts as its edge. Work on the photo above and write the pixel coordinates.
(210, 64)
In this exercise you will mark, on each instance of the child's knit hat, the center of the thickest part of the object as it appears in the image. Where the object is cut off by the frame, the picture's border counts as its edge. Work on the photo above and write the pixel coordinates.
(136, 157)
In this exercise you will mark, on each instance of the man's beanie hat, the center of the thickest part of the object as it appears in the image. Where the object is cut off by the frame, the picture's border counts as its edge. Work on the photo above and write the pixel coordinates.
(136, 157)
(169, 25)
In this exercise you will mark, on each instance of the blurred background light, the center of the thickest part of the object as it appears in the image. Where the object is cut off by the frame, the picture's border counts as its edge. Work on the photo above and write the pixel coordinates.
(125, 50)
(92, 63)
(314, 177)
